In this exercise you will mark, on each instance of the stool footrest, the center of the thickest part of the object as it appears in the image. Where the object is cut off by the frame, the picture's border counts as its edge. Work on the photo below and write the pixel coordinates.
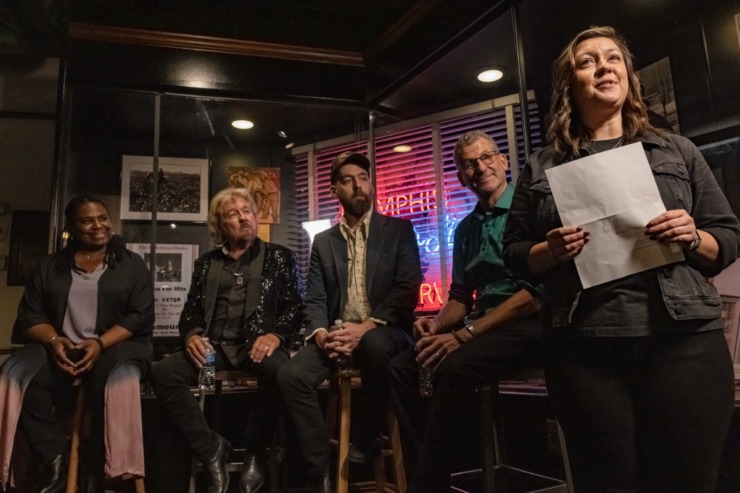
(511, 478)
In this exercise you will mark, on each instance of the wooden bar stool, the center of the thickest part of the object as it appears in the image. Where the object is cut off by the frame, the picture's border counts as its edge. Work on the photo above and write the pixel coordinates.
(338, 415)
(245, 382)
(78, 424)
(496, 471)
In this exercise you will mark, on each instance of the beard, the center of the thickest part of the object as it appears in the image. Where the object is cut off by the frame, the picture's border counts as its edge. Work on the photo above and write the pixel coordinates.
(358, 205)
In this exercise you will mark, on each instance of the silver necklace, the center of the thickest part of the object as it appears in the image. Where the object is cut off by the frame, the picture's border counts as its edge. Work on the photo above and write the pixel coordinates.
(239, 277)
(88, 256)
(598, 146)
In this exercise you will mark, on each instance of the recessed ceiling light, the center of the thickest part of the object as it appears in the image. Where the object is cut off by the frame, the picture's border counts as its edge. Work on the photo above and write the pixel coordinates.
(402, 148)
(242, 124)
(289, 145)
(282, 134)
(490, 75)
(173, 226)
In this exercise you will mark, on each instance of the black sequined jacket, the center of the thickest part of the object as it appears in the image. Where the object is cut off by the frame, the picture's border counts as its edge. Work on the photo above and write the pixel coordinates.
(273, 302)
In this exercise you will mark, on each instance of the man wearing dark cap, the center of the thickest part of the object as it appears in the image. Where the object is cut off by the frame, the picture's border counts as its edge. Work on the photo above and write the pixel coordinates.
(366, 272)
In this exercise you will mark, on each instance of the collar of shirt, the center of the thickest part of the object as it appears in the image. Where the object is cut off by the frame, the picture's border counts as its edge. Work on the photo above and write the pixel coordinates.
(248, 254)
(502, 205)
(363, 226)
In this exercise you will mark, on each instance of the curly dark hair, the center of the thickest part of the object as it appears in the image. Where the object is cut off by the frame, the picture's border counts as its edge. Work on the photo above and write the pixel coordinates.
(566, 132)
(116, 246)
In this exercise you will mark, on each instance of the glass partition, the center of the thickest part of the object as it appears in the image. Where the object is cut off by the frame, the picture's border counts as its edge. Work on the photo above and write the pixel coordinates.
(143, 152)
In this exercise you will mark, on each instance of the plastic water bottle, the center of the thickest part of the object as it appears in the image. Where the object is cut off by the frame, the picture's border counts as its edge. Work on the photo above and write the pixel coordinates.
(207, 375)
(344, 363)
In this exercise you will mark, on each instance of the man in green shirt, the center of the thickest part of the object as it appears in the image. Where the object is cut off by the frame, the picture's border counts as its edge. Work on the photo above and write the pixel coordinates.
(486, 330)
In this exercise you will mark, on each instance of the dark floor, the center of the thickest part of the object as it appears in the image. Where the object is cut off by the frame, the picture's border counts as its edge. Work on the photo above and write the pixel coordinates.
(528, 443)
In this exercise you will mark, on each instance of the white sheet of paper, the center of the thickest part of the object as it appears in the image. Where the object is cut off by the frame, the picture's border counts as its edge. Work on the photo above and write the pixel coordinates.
(612, 195)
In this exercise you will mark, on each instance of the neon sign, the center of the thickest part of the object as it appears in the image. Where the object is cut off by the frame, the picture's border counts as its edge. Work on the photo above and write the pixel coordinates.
(420, 206)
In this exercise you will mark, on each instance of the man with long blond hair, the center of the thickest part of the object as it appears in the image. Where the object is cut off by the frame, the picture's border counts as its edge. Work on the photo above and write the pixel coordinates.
(245, 298)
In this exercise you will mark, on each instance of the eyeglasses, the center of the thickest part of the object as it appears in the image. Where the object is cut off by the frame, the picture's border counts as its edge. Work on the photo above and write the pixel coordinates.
(469, 165)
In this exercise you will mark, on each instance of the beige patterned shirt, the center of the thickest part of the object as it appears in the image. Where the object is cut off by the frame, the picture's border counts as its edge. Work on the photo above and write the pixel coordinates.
(357, 308)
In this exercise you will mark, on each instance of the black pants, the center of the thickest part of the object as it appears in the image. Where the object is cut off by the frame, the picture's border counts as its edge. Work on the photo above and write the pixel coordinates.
(435, 430)
(300, 377)
(172, 379)
(51, 391)
(643, 414)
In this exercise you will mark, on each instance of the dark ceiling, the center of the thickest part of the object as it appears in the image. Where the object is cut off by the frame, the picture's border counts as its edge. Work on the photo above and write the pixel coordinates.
(323, 63)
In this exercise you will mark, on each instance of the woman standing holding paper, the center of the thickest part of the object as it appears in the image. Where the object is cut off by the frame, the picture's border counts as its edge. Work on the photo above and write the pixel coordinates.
(638, 367)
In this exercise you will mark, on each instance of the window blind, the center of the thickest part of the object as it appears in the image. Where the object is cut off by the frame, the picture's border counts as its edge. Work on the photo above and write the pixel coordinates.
(406, 186)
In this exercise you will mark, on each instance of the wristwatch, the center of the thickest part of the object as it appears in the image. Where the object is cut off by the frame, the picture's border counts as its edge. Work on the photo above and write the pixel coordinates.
(697, 241)
(471, 329)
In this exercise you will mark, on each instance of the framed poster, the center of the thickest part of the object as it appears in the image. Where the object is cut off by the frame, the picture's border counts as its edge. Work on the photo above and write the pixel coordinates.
(264, 187)
(182, 186)
(659, 95)
(173, 266)
(29, 241)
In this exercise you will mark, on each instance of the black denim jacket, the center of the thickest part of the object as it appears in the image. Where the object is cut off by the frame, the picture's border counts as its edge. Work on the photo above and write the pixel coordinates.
(684, 181)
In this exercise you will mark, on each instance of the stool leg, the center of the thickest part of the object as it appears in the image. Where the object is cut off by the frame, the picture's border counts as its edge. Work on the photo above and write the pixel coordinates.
(345, 402)
(566, 461)
(379, 469)
(399, 471)
(489, 438)
(194, 462)
(139, 484)
(74, 453)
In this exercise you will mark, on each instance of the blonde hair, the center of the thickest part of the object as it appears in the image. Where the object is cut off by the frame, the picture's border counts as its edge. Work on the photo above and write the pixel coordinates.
(566, 132)
(214, 210)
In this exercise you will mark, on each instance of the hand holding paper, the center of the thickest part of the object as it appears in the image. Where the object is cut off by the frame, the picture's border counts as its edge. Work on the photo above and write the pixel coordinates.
(612, 195)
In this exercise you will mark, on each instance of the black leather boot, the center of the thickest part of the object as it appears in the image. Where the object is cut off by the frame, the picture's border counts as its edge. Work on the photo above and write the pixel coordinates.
(324, 484)
(252, 476)
(53, 475)
(91, 484)
(218, 476)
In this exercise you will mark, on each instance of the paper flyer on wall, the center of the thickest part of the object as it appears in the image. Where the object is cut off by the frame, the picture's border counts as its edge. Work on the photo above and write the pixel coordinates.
(173, 270)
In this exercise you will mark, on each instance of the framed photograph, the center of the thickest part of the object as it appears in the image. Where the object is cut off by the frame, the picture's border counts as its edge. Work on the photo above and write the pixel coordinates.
(182, 185)
(264, 187)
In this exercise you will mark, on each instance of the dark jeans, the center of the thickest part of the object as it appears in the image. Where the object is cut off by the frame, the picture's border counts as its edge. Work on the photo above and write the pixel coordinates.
(435, 431)
(172, 379)
(643, 414)
(299, 379)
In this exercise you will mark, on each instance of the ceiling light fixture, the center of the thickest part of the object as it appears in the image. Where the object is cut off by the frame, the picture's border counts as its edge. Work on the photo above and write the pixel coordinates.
(402, 148)
(490, 74)
(282, 134)
(289, 145)
(242, 124)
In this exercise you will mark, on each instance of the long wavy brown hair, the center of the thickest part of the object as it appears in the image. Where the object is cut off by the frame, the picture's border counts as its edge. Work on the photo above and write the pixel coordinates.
(567, 133)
